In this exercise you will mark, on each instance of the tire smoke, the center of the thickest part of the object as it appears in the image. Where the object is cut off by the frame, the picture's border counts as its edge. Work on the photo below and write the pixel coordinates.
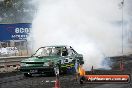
(91, 27)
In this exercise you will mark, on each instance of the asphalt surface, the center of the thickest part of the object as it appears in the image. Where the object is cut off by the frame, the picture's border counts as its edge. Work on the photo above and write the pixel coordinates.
(17, 80)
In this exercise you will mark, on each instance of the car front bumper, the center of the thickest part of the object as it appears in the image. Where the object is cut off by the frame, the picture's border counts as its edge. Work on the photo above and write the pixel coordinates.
(38, 70)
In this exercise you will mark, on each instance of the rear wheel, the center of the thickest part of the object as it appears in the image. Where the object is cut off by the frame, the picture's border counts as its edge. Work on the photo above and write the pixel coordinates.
(27, 74)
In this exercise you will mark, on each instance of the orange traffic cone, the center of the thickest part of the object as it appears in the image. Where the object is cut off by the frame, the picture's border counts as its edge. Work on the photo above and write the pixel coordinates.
(92, 71)
(57, 83)
(121, 66)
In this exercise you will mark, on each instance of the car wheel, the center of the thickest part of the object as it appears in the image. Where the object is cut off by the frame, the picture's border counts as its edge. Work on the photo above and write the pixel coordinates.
(27, 74)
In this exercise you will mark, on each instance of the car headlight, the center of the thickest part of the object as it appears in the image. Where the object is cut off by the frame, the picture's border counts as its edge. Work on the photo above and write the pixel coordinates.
(23, 64)
(46, 64)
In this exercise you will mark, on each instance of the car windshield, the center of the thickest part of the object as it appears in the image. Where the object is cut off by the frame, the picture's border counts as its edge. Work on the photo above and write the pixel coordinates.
(48, 51)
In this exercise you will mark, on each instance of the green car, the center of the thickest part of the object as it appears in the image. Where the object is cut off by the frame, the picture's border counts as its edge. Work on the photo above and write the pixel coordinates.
(51, 60)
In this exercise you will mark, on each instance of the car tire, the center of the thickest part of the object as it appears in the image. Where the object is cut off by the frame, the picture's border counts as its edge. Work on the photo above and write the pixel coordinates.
(27, 75)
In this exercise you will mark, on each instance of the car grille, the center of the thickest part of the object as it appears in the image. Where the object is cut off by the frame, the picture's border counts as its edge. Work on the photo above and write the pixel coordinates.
(39, 69)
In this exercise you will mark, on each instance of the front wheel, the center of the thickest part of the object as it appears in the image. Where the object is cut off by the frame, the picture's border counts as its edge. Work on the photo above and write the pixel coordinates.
(27, 74)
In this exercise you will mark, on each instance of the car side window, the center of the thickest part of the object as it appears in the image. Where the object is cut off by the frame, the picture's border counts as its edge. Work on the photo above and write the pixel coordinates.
(64, 52)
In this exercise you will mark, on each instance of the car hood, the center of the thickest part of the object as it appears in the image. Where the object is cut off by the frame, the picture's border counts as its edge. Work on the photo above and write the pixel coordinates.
(42, 59)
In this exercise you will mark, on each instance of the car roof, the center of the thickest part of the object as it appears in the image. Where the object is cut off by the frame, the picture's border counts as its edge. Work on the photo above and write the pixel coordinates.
(56, 46)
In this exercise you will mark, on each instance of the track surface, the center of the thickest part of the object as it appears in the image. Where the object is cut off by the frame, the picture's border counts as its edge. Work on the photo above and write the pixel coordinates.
(17, 80)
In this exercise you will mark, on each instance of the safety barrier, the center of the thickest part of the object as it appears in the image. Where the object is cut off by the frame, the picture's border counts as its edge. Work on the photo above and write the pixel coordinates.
(11, 63)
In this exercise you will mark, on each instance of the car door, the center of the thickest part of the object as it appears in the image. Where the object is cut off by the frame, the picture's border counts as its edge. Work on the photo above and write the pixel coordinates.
(75, 56)
(72, 55)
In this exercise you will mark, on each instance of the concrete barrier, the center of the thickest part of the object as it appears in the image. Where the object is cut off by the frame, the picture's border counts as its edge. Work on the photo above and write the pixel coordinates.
(8, 64)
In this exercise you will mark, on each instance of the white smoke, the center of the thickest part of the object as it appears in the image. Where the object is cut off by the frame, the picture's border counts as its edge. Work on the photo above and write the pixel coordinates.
(91, 27)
